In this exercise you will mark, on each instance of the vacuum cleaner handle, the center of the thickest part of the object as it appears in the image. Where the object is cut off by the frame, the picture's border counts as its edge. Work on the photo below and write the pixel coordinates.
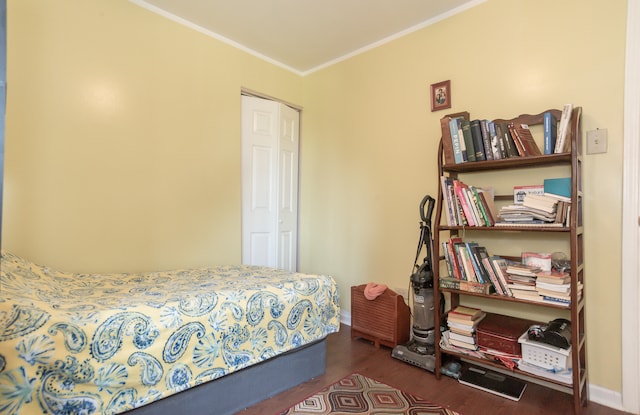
(426, 215)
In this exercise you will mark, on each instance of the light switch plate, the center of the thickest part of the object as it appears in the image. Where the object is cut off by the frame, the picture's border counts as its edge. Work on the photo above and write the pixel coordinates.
(597, 141)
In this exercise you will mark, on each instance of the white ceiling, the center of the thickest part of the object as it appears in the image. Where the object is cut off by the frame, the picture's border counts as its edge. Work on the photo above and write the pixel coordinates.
(305, 35)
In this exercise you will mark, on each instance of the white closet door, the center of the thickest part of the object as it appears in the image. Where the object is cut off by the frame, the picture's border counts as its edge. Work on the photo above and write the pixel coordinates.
(270, 136)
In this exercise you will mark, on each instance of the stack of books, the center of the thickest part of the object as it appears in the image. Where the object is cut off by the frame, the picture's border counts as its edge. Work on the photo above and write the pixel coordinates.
(536, 209)
(555, 287)
(521, 280)
(462, 322)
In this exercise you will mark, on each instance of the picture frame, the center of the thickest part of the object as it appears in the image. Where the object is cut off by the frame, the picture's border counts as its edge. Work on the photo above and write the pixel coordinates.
(441, 95)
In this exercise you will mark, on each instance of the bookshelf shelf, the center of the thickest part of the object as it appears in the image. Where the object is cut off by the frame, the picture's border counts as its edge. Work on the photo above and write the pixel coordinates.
(572, 231)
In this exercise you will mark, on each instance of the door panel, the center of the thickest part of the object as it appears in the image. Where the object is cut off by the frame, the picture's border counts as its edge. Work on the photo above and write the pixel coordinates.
(270, 140)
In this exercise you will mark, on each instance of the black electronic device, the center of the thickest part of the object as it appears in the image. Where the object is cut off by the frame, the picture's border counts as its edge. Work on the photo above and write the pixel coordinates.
(557, 333)
(493, 382)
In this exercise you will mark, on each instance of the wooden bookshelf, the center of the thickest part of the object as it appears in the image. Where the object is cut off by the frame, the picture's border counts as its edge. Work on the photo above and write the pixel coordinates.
(574, 232)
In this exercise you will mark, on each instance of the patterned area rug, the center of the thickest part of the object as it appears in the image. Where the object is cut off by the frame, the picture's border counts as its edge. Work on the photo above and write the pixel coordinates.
(358, 394)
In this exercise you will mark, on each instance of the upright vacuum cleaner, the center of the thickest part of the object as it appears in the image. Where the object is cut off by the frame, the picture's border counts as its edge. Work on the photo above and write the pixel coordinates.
(420, 350)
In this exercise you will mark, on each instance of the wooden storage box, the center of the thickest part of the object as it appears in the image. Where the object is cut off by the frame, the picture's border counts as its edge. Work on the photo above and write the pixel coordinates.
(501, 333)
(385, 320)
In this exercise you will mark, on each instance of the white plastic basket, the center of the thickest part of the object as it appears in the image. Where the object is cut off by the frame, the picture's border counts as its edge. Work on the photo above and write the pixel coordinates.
(544, 355)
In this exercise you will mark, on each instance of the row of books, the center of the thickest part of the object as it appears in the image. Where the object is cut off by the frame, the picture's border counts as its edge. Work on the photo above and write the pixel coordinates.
(469, 261)
(466, 205)
(482, 139)
(524, 280)
(546, 209)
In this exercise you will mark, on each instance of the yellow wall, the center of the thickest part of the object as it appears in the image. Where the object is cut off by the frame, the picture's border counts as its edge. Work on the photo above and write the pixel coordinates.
(123, 129)
(122, 142)
(369, 141)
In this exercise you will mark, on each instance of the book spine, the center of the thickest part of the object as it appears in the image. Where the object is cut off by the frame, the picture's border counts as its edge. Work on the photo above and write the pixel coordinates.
(486, 139)
(447, 259)
(492, 276)
(454, 260)
(495, 144)
(468, 140)
(561, 140)
(522, 152)
(460, 260)
(469, 271)
(509, 144)
(463, 202)
(455, 141)
(447, 141)
(444, 188)
(500, 267)
(476, 136)
(480, 206)
(550, 132)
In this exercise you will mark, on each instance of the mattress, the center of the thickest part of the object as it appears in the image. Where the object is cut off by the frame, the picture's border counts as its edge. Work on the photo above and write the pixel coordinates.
(73, 343)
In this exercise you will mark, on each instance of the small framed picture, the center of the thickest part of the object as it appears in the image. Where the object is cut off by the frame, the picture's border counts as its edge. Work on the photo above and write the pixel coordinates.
(441, 95)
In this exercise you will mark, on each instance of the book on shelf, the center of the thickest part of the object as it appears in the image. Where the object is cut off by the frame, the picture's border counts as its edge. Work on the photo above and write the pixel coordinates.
(495, 142)
(465, 128)
(540, 259)
(446, 126)
(516, 140)
(562, 141)
(480, 253)
(509, 144)
(467, 265)
(536, 202)
(462, 344)
(463, 198)
(528, 143)
(465, 313)
(553, 277)
(479, 275)
(559, 187)
(532, 223)
(462, 330)
(453, 258)
(558, 375)
(499, 265)
(546, 288)
(481, 206)
(520, 191)
(478, 143)
(486, 262)
(550, 130)
(527, 295)
(459, 151)
(486, 139)
(514, 268)
(453, 321)
(446, 186)
(502, 147)
(469, 339)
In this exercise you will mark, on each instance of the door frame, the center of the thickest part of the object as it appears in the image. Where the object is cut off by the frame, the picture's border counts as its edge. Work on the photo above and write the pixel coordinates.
(253, 93)
(631, 217)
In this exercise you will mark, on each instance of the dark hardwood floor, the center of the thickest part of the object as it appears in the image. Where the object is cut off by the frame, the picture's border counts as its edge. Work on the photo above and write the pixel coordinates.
(345, 356)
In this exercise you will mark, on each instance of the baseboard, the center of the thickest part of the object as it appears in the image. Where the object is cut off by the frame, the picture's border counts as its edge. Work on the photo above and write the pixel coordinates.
(597, 394)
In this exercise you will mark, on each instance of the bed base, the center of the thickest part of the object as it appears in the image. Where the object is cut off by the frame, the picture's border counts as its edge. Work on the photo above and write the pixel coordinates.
(239, 390)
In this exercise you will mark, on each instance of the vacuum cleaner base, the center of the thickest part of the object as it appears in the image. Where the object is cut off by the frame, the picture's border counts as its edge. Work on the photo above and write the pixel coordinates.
(424, 361)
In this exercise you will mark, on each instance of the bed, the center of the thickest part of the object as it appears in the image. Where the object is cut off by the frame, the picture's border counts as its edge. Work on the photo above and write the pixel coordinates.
(206, 340)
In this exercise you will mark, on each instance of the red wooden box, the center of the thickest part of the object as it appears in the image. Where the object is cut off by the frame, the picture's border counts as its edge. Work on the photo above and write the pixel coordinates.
(501, 333)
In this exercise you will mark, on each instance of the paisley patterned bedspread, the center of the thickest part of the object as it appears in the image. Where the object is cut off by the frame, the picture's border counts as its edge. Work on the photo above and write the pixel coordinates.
(86, 344)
